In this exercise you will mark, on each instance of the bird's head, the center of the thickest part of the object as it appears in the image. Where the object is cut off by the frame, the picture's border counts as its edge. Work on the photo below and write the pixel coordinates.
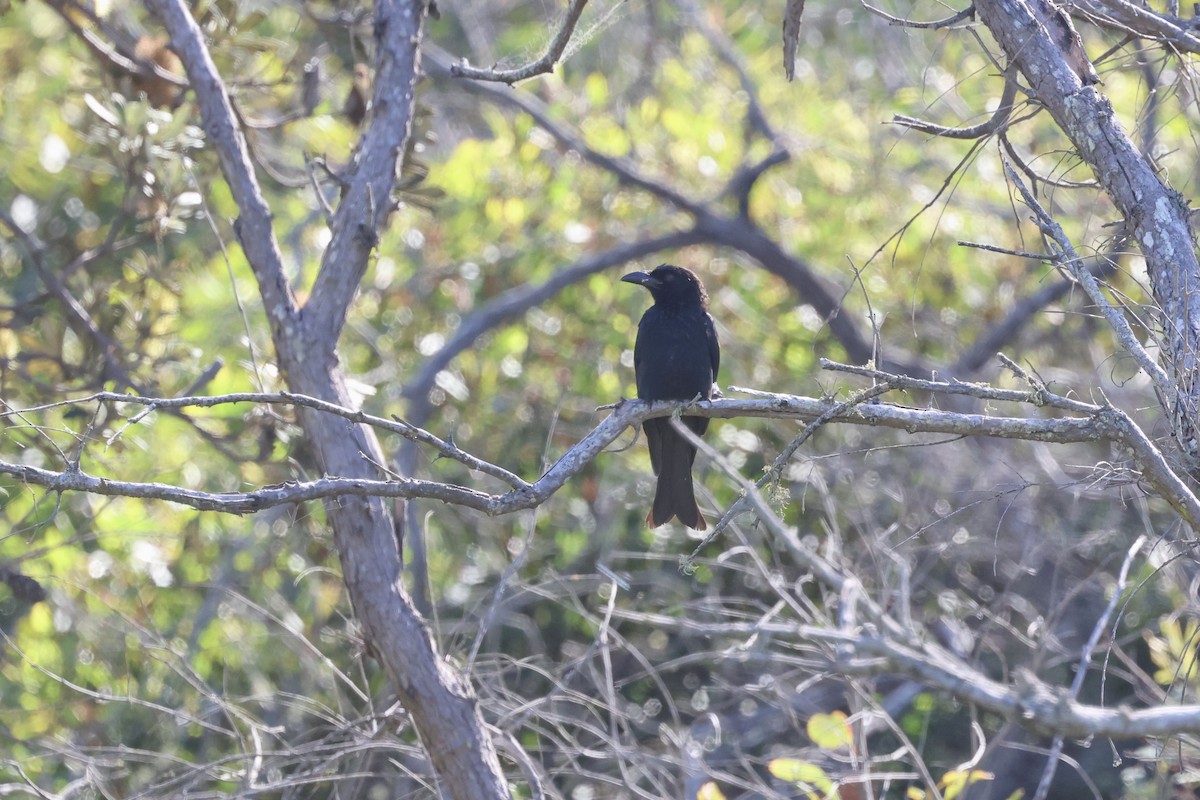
(671, 286)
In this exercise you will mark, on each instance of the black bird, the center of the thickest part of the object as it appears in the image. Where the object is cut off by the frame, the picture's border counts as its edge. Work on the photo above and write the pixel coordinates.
(675, 358)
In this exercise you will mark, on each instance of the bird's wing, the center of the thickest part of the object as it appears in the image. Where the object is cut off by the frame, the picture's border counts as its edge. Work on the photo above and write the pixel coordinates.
(714, 346)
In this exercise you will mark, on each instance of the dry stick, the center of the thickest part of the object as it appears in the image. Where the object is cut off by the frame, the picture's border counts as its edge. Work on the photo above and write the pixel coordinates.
(847, 586)
(1039, 397)
(860, 651)
(784, 457)
(1121, 427)
(1159, 472)
(394, 425)
(1069, 258)
(1005, 331)
(953, 19)
(1127, 16)
(1101, 423)
(998, 120)
(1035, 178)
(523, 495)
(1085, 658)
(1029, 702)
(533, 772)
(546, 63)
(518, 561)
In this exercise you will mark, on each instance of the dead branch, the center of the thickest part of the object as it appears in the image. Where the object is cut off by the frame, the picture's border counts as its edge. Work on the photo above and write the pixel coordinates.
(1095, 423)
(550, 59)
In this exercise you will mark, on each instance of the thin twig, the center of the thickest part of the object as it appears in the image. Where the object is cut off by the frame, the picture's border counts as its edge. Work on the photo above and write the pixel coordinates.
(953, 19)
(979, 391)
(996, 122)
(776, 470)
(1070, 259)
(546, 63)
(1085, 659)
(1007, 251)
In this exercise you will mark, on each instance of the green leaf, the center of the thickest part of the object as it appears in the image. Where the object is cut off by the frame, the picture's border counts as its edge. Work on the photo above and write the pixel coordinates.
(830, 731)
(793, 770)
(953, 782)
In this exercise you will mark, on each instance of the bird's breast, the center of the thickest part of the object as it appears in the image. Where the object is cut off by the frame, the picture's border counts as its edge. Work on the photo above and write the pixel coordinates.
(672, 354)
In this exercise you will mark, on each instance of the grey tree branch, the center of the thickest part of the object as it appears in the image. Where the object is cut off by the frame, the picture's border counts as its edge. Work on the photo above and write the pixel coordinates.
(367, 198)
(988, 127)
(901, 22)
(620, 168)
(879, 642)
(1028, 701)
(1156, 215)
(998, 336)
(1138, 20)
(546, 63)
(1069, 259)
(1155, 468)
(1096, 423)
(253, 226)
(395, 425)
(773, 473)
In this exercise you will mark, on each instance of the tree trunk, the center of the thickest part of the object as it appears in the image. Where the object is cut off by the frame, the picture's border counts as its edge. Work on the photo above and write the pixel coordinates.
(440, 700)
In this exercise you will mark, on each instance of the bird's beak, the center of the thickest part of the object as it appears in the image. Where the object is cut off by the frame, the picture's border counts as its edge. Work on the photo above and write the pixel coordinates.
(642, 279)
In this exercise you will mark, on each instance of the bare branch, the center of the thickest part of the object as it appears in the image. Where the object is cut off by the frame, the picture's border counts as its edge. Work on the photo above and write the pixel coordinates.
(440, 699)
(1034, 177)
(620, 168)
(775, 471)
(998, 120)
(1070, 260)
(1085, 659)
(859, 646)
(998, 336)
(394, 425)
(1142, 21)
(367, 201)
(253, 226)
(979, 391)
(1102, 424)
(546, 63)
(792, 14)
(946, 22)
(120, 53)
(1155, 468)
(1030, 702)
